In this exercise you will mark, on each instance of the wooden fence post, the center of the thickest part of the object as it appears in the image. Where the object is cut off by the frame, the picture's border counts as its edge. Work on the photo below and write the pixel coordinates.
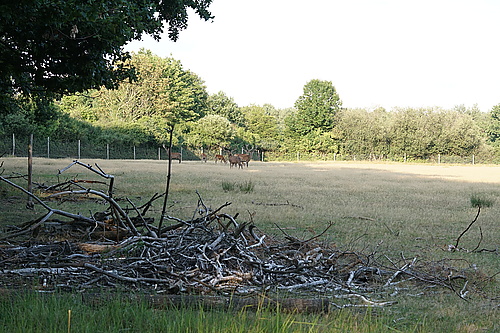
(30, 204)
(13, 144)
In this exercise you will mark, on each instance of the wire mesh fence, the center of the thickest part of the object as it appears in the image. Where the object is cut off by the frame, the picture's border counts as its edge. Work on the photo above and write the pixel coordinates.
(78, 149)
(82, 149)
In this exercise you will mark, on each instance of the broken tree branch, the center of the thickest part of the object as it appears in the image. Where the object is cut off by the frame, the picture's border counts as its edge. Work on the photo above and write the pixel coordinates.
(468, 227)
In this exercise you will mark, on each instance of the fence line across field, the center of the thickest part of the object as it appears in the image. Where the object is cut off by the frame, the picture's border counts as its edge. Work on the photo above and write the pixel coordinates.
(78, 149)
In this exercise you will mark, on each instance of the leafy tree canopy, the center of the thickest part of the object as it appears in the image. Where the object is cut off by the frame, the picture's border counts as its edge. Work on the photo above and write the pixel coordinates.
(260, 122)
(65, 46)
(163, 88)
(222, 105)
(316, 108)
(494, 124)
(211, 131)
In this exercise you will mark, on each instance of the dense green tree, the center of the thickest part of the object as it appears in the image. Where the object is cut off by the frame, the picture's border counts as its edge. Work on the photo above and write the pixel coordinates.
(360, 132)
(164, 94)
(463, 136)
(163, 88)
(318, 142)
(33, 114)
(65, 46)
(494, 125)
(222, 105)
(79, 106)
(410, 132)
(260, 128)
(420, 133)
(280, 115)
(212, 131)
(156, 126)
(259, 121)
(316, 108)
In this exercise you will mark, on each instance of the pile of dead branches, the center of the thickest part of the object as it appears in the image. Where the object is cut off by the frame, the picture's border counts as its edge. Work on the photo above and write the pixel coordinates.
(211, 254)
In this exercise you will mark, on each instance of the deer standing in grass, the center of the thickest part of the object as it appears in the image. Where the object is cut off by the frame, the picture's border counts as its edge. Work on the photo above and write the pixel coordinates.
(245, 158)
(235, 160)
(220, 158)
(173, 156)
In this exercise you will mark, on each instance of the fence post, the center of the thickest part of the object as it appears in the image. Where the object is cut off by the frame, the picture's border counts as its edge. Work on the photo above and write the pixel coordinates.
(79, 148)
(13, 144)
(48, 147)
(30, 172)
(107, 151)
(473, 159)
(439, 158)
(159, 157)
(134, 152)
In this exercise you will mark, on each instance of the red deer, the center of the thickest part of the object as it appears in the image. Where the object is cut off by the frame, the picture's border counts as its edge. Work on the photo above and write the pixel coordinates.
(220, 158)
(235, 160)
(174, 156)
(204, 157)
(245, 158)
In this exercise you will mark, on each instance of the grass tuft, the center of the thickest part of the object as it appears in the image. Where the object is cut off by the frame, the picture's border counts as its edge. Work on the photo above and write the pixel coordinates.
(228, 186)
(247, 186)
(479, 202)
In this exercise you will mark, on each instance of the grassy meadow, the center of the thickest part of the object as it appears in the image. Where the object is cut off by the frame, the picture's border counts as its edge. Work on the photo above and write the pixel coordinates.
(394, 210)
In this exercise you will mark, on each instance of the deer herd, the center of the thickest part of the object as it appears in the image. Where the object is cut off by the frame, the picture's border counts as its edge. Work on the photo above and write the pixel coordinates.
(235, 160)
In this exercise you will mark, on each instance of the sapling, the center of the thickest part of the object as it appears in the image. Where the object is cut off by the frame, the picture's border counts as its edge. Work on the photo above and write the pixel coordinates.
(478, 202)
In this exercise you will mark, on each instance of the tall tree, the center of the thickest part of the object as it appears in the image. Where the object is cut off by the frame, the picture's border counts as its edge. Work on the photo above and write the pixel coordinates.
(211, 131)
(494, 125)
(65, 46)
(163, 88)
(261, 128)
(222, 105)
(316, 108)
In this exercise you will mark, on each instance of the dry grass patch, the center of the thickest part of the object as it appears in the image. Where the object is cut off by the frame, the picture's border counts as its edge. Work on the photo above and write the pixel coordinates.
(393, 203)
(390, 209)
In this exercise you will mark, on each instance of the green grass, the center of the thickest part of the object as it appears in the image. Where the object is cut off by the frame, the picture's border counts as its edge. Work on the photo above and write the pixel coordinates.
(44, 313)
(244, 187)
(393, 210)
(27, 313)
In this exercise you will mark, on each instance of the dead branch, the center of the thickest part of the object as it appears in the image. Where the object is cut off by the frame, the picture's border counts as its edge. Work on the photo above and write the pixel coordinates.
(468, 227)
(213, 254)
(287, 203)
(169, 175)
(109, 199)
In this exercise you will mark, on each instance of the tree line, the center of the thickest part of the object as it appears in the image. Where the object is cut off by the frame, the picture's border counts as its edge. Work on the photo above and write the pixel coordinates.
(166, 97)
(65, 75)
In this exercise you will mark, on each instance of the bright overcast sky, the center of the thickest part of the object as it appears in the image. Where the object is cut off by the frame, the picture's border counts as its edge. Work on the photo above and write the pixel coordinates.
(406, 53)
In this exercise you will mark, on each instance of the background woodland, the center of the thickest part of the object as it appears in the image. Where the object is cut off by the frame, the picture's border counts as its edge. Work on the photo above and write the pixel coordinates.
(166, 96)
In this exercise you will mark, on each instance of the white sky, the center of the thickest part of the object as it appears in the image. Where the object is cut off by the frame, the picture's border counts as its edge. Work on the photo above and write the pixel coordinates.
(406, 53)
